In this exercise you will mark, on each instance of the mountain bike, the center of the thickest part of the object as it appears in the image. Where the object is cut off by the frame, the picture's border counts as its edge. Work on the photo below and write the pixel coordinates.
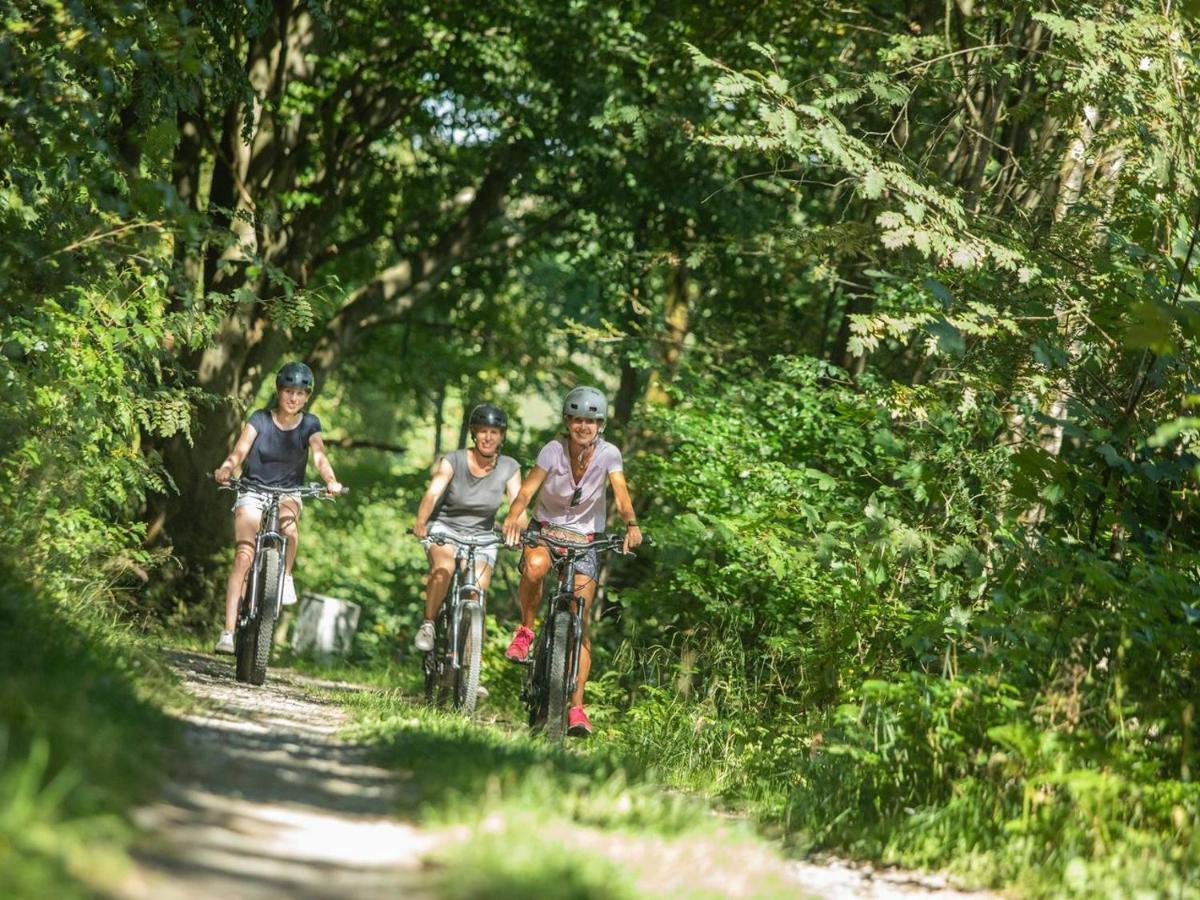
(263, 595)
(554, 674)
(452, 666)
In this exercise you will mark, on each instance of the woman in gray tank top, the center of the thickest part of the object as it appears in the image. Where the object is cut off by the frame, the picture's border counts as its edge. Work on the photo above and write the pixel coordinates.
(467, 489)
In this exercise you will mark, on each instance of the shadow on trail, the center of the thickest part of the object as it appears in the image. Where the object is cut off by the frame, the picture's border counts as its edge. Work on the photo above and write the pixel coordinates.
(266, 801)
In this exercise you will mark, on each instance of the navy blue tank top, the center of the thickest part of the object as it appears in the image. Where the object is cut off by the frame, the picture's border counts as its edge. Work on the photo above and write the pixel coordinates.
(278, 458)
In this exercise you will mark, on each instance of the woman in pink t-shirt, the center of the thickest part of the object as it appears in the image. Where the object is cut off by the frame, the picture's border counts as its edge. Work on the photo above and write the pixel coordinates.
(572, 474)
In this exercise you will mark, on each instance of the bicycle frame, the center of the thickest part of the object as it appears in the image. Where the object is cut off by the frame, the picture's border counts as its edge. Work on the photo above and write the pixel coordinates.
(268, 533)
(464, 589)
(462, 594)
(564, 598)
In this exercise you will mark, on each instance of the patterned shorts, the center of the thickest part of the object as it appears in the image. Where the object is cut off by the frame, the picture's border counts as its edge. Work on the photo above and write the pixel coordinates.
(588, 564)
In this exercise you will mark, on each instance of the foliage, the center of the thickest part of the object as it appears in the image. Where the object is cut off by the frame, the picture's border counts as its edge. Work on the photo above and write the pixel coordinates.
(80, 743)
(897, 304)
(864, 634)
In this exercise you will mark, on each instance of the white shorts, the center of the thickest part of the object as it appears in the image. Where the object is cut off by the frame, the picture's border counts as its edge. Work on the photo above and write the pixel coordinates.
(257, 502)
(482, 554)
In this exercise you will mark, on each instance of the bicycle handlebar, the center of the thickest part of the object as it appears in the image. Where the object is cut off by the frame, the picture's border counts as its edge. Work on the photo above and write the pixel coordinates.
(312, 489)
(491, 539)
(603, 541)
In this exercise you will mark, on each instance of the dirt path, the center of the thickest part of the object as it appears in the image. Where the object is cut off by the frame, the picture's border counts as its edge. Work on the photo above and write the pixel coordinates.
(267, 801)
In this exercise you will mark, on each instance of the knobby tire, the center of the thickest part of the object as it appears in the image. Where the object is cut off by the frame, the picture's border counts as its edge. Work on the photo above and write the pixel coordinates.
(263, 629)
(470, 657)
(556, 687)
(445, 683)
(435, 659)
(535, 683)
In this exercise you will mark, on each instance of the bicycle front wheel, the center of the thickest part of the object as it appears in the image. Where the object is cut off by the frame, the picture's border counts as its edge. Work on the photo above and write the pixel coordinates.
(470, 657)
(262, 630)
(556, 671)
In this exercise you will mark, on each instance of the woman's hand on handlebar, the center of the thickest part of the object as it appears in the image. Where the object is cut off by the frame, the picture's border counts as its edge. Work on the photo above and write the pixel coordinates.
(633, 538)
(223, 474)
(512, 531)
(420, 530)
(333, 488)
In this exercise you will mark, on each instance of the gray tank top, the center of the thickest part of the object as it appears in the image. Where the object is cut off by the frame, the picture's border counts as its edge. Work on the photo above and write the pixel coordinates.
(469, 504)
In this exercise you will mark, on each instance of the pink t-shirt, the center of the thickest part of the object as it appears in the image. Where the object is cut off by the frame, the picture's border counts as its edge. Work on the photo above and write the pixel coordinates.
(590, 513)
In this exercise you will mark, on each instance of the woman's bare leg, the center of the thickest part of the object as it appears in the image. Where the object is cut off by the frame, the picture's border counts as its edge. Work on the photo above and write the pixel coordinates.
(441, 568)
(289, 524)
(245, 529)
(537, 565)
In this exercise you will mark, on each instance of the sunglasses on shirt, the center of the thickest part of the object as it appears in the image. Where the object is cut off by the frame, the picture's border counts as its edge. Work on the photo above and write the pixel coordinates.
(575, 497)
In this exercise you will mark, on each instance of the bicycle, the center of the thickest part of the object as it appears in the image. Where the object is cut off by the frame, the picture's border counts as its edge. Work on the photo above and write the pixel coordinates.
(263, 596)
(452, 666)
(554, 673)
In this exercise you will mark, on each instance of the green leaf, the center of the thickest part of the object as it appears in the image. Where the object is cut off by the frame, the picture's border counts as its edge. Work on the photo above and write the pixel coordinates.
(873, 184)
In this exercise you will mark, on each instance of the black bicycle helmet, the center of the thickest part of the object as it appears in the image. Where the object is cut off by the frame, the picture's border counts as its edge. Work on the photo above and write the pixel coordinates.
(295, 375)
(487, 415)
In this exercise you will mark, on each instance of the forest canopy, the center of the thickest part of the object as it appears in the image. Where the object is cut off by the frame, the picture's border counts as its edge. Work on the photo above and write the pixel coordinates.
(896, 305)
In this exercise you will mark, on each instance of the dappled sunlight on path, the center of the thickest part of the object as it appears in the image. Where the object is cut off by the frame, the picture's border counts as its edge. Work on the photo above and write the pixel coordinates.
(268, 802)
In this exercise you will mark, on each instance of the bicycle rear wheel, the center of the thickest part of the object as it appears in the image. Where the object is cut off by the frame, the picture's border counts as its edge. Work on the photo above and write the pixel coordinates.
(470, 657)
(534, 691)
(556, 671)
(244, 651)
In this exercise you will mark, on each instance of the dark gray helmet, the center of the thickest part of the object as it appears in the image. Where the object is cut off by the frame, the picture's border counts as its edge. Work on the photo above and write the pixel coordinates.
(487, 415)
(295, 375)
(586, 403)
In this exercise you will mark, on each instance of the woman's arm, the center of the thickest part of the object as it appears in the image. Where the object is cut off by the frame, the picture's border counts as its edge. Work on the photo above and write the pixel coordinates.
(633, 532)
(512, 487)
(516, 518)
(321, 461)
(442, 473)
(244, 442)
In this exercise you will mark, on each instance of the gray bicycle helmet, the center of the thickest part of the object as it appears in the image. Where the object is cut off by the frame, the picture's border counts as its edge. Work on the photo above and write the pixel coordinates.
(295, 375)
(487, 415)
(586, 403)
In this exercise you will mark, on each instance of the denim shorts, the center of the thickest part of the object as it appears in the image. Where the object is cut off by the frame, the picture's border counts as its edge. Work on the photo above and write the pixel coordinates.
(482, 554)
(257, 502)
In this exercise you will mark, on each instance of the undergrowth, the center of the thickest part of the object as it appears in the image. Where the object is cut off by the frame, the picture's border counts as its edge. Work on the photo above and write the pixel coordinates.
(81, 742)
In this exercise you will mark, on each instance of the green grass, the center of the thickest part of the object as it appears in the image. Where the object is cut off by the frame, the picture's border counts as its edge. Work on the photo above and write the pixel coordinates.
(81, 742)
(580, 820)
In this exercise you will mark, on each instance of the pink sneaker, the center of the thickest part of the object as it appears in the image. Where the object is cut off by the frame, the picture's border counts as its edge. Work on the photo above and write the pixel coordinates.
(518, 650)
(577, 722)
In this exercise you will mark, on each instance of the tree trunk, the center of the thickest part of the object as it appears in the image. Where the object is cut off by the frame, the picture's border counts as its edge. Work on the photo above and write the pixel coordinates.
(676, 311)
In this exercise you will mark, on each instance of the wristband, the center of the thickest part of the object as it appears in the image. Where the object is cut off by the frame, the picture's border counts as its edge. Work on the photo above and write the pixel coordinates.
(632, 525)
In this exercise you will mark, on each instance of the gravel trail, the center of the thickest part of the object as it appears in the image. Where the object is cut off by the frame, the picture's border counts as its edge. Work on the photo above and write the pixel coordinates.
(266, 801)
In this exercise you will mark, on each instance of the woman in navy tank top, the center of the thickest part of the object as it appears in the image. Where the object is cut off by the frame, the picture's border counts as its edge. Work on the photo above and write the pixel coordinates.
(272, 451)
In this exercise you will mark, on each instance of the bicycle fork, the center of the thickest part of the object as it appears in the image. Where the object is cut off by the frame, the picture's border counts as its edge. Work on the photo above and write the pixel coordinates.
(466, 596)
(254, 588)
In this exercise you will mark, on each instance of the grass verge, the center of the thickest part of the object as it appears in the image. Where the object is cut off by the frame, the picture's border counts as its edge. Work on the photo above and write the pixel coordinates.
(522, 815)
(81, 742)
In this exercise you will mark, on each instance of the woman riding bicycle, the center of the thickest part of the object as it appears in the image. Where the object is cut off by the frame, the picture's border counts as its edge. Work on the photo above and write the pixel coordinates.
(572, 474)
(471, 484)
(273, 452)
